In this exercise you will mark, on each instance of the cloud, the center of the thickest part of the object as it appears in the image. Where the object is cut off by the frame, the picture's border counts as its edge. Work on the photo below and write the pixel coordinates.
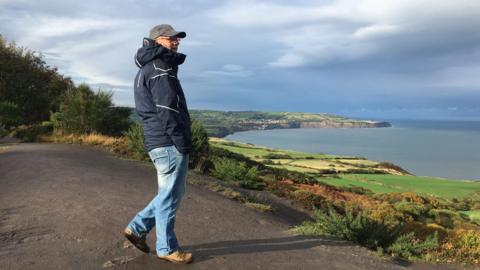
(228, 70)
(376, 30)
(322, 33)
(280, 55)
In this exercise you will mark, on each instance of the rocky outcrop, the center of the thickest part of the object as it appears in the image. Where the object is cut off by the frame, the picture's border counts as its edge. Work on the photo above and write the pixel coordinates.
(262, 124)
(344, 124)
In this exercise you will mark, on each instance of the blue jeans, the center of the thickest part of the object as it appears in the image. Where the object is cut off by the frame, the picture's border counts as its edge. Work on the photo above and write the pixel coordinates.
(172, 169)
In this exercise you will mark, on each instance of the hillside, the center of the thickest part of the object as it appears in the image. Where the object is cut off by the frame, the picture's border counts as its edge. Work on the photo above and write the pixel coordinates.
(348, 171)
(222, 123)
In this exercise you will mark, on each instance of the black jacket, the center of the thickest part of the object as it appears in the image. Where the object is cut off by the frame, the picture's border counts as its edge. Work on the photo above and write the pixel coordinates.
(159, 98)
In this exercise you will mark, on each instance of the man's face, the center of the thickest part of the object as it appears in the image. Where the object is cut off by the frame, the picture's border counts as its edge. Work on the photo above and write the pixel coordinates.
(168, 42)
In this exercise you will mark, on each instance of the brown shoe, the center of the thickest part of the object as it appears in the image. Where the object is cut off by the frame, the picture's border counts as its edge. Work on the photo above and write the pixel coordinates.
(137, 241)
(178, 256)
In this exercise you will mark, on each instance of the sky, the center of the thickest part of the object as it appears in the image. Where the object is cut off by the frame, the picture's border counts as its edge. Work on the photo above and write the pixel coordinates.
(375, 59)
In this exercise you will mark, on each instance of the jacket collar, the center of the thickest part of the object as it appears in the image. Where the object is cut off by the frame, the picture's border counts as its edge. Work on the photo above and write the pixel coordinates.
(151, 51)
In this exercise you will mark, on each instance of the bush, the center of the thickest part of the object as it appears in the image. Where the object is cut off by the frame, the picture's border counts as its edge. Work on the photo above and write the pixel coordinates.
(461, 246)
(3, 132)
(250, 184)
(356, 189)
(415, 210)
(307, 199)
(356, 227)
(32, 133)
(276, 156)
(200, 145)
(84, 111)
(408, 246)
(232, 170)
(445, 217)
(360, 228)
(136, 141)
(115, 121)
(9, 114)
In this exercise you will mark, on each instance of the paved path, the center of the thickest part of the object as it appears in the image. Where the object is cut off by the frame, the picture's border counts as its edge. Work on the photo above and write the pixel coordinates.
(65, 207)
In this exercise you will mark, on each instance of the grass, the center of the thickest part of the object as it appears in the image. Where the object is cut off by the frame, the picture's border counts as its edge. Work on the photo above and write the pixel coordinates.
(472, 214)
(259, 206)
(378, 183)
(252, 151)
(298, 161)
(400, 183)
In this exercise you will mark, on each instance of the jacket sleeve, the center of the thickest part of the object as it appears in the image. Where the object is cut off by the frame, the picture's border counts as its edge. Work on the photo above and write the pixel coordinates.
(146, 54)
(167, 106)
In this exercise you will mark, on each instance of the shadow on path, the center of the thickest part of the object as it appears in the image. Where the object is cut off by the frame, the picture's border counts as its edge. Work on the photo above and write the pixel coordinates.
(208, 251)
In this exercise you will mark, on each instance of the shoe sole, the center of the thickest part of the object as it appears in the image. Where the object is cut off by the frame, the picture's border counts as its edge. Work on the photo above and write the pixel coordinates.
(177, 262)
(133, 240)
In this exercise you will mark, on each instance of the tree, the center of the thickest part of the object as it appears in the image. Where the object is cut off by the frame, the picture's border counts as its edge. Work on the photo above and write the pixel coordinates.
(84, 111)
(36, 88)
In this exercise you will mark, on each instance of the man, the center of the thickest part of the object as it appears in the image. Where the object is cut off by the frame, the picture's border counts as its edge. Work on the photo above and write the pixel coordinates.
(161, 105)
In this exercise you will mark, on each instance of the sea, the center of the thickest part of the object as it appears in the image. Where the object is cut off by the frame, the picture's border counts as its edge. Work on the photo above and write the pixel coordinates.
(440, 148)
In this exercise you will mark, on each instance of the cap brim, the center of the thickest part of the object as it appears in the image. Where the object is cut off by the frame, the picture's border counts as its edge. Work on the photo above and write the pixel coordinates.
(180, 34)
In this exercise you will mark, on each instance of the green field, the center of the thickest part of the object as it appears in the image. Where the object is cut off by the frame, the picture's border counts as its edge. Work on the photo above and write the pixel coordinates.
(294, 160)
(473, 215)
(379, 183)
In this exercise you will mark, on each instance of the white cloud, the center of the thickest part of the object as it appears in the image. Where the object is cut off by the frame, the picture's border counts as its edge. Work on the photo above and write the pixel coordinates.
(376, 30)
(228, 70)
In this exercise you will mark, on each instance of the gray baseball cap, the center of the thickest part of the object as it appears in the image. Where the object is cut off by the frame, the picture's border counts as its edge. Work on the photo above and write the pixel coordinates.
(165, 30)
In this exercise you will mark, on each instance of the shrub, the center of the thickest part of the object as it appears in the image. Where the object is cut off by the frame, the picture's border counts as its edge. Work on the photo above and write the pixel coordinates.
(446, 218)
(232, 170)
(84, 111)
(307, 199)
(268, 161)
(355, 189)
(136, 144)
(360, 228)
(32, 133)
(276, 156)
(385, 213)
(255, 185)
(408, 246)
(423, 230)
(200, 144)
(9, 114)
(462, 246)
(115, 121)
(389, 165)
(356, 227)
(3, 132)
(415, 210)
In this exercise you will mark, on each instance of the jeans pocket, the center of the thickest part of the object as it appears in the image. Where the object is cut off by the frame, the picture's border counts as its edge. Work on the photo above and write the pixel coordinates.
(165, 161)
(162, 162)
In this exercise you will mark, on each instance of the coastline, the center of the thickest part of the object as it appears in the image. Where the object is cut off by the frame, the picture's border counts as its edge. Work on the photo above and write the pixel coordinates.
(285, 124)
(443, 153)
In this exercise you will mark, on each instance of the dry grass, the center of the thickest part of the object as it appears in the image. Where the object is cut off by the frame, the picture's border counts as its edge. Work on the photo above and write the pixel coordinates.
(118, 145)
(259, 206)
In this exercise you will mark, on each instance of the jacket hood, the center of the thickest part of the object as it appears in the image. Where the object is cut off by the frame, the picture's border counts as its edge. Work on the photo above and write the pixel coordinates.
(151, 51)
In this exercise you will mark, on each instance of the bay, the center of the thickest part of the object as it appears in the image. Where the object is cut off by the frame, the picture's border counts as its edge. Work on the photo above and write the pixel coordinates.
(447, 149)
